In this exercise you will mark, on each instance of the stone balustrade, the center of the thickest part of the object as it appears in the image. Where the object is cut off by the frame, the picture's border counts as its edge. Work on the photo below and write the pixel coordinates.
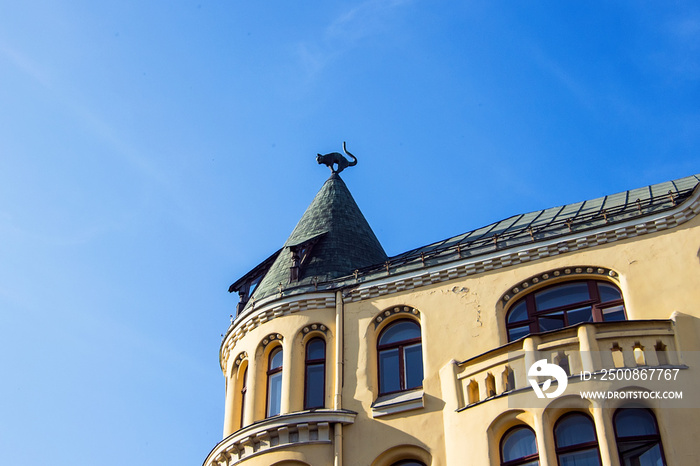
(590, 347)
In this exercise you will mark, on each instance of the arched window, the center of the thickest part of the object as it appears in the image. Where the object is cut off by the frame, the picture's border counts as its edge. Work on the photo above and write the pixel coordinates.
(274, 382)
(244, 389)
(637, 437)
(315, 380)
(519, 447)
(576, 442)
(400, 357)
(565, 304)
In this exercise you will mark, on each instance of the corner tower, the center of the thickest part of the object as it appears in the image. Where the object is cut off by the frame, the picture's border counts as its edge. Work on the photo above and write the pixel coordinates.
(282, 354)
(332, 240)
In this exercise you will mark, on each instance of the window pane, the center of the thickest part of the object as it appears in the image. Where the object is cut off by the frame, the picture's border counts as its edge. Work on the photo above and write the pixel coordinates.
(551, 321)
(614, 314)
(574, 429)
(316, 349)
(400, 331)
(413, 366)
(274, 395)
(561, 295)
(314, 386)
(640, 453)
(634, 422)
(518, 332)
(518, 313)
(276, 358)
(389, 371)
(519, 443)
(580, 458)
(608, 293)
(243, 392)
(577, 316)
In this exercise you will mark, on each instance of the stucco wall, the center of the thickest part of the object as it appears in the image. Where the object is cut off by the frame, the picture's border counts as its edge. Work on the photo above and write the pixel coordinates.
(658, 274)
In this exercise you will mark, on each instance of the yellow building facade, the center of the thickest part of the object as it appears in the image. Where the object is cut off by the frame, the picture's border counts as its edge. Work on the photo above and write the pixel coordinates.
(339, 354)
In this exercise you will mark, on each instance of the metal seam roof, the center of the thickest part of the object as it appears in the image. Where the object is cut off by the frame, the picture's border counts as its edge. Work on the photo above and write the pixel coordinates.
(555, 221)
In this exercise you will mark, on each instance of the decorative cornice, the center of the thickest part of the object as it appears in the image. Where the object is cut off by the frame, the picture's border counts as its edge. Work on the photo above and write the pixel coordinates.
(285, 431)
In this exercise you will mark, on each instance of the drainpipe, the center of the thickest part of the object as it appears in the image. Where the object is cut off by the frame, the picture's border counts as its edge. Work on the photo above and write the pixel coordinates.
(337, 396)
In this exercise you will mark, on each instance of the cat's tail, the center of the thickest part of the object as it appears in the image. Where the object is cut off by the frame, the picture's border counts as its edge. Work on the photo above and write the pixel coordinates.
(354, 162)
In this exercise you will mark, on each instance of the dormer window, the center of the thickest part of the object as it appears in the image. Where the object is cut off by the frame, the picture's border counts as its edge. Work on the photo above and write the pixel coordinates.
(300, 257)
(246, 285)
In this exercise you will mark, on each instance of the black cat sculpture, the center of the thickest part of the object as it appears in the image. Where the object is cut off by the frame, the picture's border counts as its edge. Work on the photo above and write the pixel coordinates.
(336, 158)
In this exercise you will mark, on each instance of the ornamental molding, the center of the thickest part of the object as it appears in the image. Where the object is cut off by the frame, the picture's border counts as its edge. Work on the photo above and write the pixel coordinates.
(522, 254)
(314, 328)
(271, 338)
(396, 310)
(279, 432)
(266, 312)
(241, 357)
(551, 275)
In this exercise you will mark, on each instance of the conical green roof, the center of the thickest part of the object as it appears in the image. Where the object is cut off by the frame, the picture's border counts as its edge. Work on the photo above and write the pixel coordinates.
(339, 237)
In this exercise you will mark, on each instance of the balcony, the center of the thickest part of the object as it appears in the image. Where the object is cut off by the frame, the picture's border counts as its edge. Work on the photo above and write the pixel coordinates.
(590, 347)
(287, 430)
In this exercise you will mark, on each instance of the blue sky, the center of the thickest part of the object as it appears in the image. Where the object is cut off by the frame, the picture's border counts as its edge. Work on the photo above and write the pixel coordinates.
(153, 152)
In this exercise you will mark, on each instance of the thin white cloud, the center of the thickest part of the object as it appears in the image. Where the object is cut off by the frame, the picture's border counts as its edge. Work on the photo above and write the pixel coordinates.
(88, 117)
(584, 96)
(687, 29)
(73, 106)
(312, 58)
(345, 32)
(685, 34)
(365, 19)
(25, 64)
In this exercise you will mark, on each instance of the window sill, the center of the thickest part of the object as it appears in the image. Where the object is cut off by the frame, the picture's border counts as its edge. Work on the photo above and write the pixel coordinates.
(397, 403)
